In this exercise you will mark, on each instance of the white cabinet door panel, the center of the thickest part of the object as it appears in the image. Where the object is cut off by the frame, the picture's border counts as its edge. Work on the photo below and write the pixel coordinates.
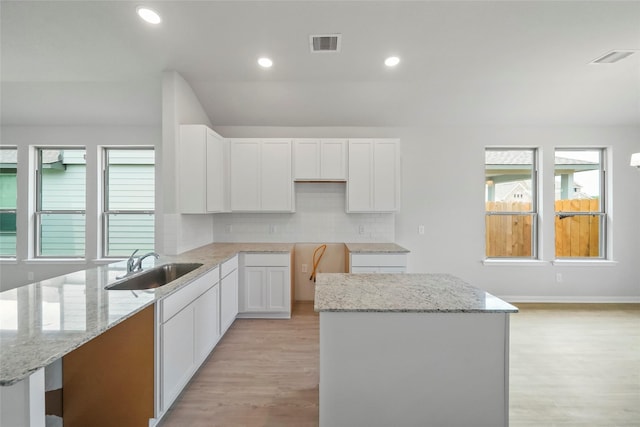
(385, 177)
(276, 182)
(215, 173)
(255, 289)
(206, 324)
(333, 159)
(306, 160)
(277, 289)
(228, 299)
(177, 353)
(245, 175)
(359, 185)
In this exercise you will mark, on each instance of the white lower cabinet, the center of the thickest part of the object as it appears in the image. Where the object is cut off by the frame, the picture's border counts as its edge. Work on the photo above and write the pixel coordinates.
(228, 293)
(206, 324)
(189, 328)
(177, 354)
(265, 286)
(378, 263)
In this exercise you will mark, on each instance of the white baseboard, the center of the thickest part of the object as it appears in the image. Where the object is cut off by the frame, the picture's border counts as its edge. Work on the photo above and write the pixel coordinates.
(570, 299)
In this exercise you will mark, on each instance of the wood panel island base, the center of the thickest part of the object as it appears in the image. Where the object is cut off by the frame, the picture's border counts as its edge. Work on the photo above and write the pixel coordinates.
(411, 350)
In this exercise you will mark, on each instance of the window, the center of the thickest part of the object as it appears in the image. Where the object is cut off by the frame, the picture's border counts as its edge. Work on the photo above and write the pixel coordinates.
(580, 216)
(60, 202)
(8, 201)
(129, 201)
(510, 203)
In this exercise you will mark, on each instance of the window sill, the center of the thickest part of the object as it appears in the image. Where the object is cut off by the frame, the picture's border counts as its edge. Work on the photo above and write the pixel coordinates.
(8, 261)
(55, 261)
(584, 262)
(515, 262)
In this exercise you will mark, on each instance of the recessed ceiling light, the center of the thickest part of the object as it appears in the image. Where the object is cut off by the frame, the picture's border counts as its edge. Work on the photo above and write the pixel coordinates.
(265, 62)
(148, 15)
(613, 56)
(392, 61)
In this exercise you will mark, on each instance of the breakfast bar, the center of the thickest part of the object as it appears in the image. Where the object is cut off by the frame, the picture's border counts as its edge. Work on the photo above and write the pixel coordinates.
(411, 349)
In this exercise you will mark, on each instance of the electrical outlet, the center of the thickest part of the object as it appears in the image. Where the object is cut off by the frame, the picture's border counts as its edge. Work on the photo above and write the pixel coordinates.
(303, 268)
(273, 228)
(421, 229)
(228, 228)
(558, 277)
(361, 229)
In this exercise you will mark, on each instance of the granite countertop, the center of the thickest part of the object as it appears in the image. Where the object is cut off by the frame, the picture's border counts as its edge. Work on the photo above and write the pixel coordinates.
(373, 248)
(43, 321)
(429, 293)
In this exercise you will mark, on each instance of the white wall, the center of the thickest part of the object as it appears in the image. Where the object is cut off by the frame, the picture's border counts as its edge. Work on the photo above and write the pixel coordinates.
(443, 189)
(180, 106)
(23, 270)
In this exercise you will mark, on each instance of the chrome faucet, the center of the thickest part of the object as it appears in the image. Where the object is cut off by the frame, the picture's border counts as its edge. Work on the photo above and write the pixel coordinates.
(138, 264)
(135, 264)
(131, 262)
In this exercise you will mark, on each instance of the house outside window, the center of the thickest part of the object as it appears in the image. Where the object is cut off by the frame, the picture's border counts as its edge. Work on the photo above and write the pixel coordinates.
(511, 211)
(580, 208)
(60, 202)
(8, 201)
(129, 201)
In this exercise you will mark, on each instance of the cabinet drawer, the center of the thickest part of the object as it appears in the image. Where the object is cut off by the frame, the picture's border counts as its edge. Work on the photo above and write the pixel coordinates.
(172, 304)
(228, 266)
(379, 260)
(266, 260)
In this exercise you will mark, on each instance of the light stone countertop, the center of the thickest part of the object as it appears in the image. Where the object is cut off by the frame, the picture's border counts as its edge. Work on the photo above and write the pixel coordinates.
(372, 248)
(43, 321)
(411, 293)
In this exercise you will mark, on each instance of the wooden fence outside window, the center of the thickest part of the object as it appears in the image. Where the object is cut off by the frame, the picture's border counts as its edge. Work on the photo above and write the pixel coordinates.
(575, 235)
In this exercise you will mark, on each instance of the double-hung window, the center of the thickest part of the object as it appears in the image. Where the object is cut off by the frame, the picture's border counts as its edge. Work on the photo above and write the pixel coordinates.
(511, 210)
(580, 208)
(8, 200)
(60, 202)
(129, 201)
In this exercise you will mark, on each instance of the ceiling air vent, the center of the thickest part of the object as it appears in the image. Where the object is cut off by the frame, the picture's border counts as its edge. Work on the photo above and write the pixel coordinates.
(322, 43)
(613, 56)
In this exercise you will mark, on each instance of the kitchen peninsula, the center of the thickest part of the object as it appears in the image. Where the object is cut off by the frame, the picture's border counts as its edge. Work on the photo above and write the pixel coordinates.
(411, 349)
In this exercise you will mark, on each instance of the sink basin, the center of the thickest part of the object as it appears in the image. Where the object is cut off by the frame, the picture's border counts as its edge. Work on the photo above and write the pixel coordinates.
(154, 278)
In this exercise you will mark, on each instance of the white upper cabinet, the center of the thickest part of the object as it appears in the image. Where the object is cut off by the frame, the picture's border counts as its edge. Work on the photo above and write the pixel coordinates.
(320, 159)
(374, 175)
(261, 178)
(201, 170)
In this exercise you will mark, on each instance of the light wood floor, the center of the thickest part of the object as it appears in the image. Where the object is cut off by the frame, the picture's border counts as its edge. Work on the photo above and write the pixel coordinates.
(571, 365)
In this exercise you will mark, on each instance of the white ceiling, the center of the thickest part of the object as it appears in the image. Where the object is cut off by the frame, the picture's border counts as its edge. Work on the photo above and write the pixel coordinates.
(463, 63)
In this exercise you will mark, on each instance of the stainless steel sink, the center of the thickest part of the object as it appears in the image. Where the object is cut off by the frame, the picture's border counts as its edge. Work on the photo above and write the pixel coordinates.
(153, 278)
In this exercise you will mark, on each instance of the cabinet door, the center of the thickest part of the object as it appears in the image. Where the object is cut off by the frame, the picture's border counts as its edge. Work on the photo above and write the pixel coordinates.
(228, 299)
(215, 173)
(333, 159)
(278, 289)
(255, 289)
(386, 175)
(245, 175)
(206, 327)
(275, 174)
(360, 182)
(177, 354)
(306, 159)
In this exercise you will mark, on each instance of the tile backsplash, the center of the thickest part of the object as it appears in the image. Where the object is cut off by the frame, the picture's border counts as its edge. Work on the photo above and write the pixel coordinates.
(320, 217)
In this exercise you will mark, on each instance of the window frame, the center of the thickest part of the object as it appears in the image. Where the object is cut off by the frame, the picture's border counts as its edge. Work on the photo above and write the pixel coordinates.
(38, 211)
(13, 211)
(533, 212)
(105, 211)
(602, 213)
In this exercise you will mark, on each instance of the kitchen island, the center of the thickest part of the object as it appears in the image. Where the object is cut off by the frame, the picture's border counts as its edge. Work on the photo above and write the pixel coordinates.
(411, 349)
